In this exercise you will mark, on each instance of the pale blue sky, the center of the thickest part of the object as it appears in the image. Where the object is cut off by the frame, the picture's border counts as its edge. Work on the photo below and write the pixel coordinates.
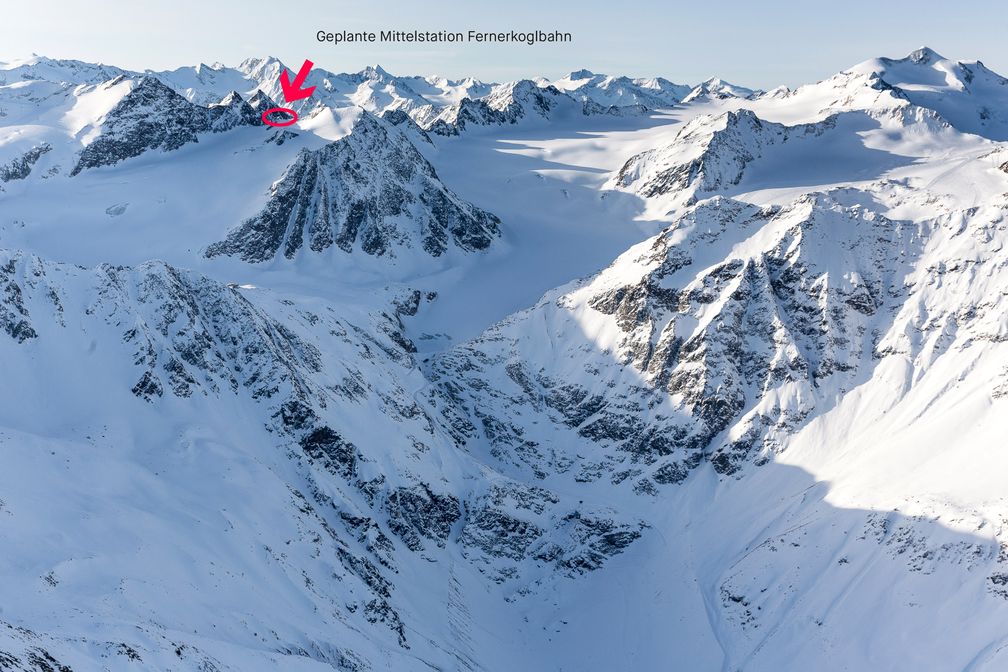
(750, 43)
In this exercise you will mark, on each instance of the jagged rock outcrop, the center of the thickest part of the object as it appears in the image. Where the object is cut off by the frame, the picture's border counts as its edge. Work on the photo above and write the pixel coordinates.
(20, 167)
(417, 512)
(515, 524)
(231, 112)
(260, 102)
(14, 317)
(713, 154)
(370, 191)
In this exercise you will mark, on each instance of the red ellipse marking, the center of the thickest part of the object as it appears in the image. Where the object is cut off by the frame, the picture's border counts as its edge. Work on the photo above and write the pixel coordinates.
(279, 124)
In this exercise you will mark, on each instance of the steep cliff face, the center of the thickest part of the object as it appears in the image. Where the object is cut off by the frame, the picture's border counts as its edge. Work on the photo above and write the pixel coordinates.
(740, 339)
(370, 191)
(171, 339)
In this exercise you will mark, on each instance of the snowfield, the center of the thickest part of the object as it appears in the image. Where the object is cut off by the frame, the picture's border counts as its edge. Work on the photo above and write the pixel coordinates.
(601, 373)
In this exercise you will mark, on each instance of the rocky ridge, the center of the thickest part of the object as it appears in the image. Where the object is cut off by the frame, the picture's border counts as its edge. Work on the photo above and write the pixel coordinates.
(153, 116)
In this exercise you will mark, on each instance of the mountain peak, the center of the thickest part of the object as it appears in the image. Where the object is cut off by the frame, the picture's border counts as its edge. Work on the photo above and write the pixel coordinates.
(715, 87)
(203, 67)
(261, 101)
(376, 72)
(257, 65)
(151, 85)
(924, 56)
(232, 98)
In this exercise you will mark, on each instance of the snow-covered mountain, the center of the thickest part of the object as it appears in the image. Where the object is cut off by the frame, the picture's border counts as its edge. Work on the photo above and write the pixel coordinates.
(103, 123)
(371, 191)
(152, 116)
(717, 89)
(600, 373)
(968, 95)
(373, 88)
(653, 93)
(58, 71)
(522, 101)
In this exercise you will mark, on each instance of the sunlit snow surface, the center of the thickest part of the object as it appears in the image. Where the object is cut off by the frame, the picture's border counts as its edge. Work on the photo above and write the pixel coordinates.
(829, 261)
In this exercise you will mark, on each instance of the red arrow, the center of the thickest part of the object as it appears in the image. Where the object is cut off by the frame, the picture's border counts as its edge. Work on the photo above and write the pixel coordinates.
(294, 91)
